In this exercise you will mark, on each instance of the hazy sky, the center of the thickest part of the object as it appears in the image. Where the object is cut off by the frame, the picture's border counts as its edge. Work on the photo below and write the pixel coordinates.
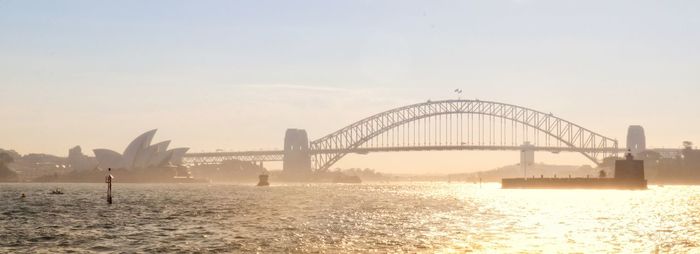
(234, 75)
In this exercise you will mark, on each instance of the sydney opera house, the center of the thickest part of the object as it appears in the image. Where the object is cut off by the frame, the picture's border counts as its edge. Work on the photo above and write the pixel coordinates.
(140, 154)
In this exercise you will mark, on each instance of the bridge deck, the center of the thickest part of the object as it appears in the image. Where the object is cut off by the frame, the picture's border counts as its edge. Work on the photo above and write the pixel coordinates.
(278, 155)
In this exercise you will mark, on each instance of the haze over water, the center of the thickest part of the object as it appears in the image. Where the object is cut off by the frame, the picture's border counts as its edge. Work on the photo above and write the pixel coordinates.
(410, 217)
(232, 76)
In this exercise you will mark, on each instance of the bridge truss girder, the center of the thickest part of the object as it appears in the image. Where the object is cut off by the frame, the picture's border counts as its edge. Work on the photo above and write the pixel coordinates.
(218, 157)
(438, 122)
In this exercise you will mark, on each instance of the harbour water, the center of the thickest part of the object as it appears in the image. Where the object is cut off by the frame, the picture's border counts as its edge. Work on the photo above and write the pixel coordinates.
(336, 218)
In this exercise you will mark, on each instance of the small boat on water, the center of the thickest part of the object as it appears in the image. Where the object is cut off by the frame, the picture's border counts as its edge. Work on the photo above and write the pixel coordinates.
(262, 180)
(56, 191)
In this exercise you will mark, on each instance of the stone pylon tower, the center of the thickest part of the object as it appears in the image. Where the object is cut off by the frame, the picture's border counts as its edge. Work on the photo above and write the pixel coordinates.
(636, 140)
(297, 159)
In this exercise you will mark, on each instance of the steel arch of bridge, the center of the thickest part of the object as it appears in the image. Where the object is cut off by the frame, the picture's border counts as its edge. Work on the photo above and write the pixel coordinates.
(472, 123)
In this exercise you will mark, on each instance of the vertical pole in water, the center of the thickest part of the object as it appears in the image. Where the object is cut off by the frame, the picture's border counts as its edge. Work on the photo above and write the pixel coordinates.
(523, 162)
(108, 180)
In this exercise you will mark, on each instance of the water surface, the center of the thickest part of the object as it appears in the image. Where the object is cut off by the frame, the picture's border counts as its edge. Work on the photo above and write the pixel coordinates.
(408, 217)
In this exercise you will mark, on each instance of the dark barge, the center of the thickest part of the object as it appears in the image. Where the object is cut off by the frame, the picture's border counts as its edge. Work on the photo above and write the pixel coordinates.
(629, 175)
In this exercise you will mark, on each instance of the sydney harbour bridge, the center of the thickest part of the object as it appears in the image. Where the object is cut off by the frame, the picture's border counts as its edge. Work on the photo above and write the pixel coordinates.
(438, 126)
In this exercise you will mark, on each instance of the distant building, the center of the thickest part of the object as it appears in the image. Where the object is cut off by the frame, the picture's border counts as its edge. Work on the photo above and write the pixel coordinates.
(683, 168)
(691, 159)
(141, 154)
(78, 161)
(34, 165)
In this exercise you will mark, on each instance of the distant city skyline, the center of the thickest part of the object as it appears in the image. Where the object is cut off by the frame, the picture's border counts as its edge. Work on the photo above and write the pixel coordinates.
(235, 75)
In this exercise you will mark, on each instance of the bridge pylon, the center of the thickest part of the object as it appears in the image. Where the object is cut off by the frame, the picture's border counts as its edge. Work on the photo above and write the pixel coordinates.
(297, 157)
(527, 154)
(636, 139)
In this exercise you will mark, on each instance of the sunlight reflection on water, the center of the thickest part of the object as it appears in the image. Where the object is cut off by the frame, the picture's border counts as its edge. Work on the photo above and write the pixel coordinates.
(410, 217)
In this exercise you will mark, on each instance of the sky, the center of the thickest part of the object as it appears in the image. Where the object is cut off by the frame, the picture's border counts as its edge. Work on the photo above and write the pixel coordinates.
(233, 75)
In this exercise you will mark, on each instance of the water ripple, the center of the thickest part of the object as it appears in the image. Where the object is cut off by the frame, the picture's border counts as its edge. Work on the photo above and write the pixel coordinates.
(416, 217)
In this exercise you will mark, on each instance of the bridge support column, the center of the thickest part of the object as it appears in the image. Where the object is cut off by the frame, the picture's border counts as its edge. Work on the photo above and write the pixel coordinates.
(297, 158)
(636, 140)
(527, 154)
(527, 157)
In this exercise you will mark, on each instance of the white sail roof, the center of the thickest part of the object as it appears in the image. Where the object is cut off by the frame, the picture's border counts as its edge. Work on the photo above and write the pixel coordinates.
(108, 159)
(136, 147)
(141, 154)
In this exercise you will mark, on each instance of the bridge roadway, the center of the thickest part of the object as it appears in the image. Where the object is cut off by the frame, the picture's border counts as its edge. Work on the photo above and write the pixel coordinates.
(278, 155)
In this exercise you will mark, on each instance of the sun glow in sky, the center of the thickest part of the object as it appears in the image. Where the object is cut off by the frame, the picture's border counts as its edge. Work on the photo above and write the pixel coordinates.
(234, 75)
